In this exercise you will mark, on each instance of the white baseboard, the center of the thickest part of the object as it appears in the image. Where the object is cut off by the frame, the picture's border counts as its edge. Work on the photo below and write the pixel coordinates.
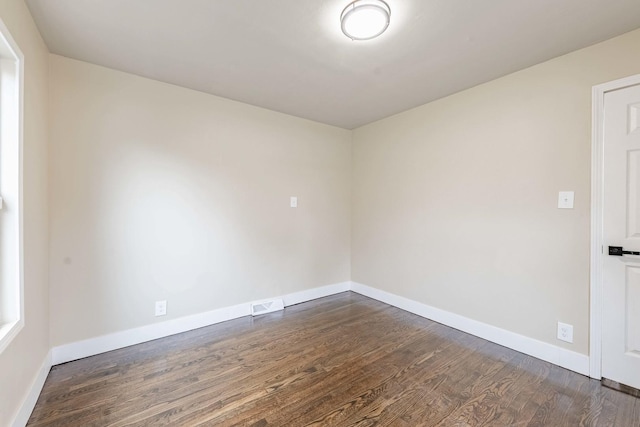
(92, 346)
(315, 293)
(558, 356)
(22, 417)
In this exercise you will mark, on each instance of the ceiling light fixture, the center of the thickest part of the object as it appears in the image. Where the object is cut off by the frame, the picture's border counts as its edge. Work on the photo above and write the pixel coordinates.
(365, 19)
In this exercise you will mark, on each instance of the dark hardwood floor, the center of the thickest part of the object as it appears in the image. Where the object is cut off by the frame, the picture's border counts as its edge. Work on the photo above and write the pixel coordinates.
(344, 360)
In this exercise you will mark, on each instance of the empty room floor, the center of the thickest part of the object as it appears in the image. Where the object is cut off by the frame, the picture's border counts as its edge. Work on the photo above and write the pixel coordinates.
(343, 360)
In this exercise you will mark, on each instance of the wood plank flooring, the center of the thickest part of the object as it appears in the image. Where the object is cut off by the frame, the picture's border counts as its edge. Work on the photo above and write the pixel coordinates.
(344, 360)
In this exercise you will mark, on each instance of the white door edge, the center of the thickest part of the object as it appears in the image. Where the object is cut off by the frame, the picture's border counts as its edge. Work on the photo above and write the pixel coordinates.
(597, 207)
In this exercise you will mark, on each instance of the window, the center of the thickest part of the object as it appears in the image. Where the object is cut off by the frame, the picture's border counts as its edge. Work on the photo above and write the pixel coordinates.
(11, 271)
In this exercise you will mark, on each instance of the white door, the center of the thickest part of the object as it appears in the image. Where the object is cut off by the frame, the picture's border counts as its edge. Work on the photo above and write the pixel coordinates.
(621, 221)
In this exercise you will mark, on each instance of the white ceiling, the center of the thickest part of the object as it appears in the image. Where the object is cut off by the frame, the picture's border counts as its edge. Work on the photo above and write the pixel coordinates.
(290, 55)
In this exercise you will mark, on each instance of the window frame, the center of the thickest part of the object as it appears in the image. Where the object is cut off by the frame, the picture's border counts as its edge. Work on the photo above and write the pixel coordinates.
(11, 166)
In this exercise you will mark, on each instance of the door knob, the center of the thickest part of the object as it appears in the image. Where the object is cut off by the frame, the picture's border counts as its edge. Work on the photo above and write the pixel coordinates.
(618, 251)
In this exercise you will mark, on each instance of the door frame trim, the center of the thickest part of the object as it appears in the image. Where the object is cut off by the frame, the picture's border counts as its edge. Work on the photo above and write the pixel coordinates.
(597, 211)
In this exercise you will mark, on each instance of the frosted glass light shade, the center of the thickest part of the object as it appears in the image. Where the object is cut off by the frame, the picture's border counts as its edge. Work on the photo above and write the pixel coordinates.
(365, 19)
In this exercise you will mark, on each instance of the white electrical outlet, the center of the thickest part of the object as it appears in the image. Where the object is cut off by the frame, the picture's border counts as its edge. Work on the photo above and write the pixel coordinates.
(293, 202)
(161, 308)
(565, 332)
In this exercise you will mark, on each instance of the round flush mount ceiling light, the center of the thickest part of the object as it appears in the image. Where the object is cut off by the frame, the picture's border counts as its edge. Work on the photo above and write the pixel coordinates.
(365, 19)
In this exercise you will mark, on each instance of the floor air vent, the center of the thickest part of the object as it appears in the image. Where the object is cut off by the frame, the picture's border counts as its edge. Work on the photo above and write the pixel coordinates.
(264, 307)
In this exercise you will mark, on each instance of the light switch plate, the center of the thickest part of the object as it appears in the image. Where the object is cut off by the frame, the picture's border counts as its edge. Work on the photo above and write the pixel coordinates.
(294, 202)
(565, 200)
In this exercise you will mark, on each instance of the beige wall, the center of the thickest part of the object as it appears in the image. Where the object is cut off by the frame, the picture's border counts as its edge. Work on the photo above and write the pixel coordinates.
(455, 202)
(159, 192)
(21, 361)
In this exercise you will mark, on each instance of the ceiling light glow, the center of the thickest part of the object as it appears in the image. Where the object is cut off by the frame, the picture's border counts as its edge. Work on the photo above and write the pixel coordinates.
(365, 19)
